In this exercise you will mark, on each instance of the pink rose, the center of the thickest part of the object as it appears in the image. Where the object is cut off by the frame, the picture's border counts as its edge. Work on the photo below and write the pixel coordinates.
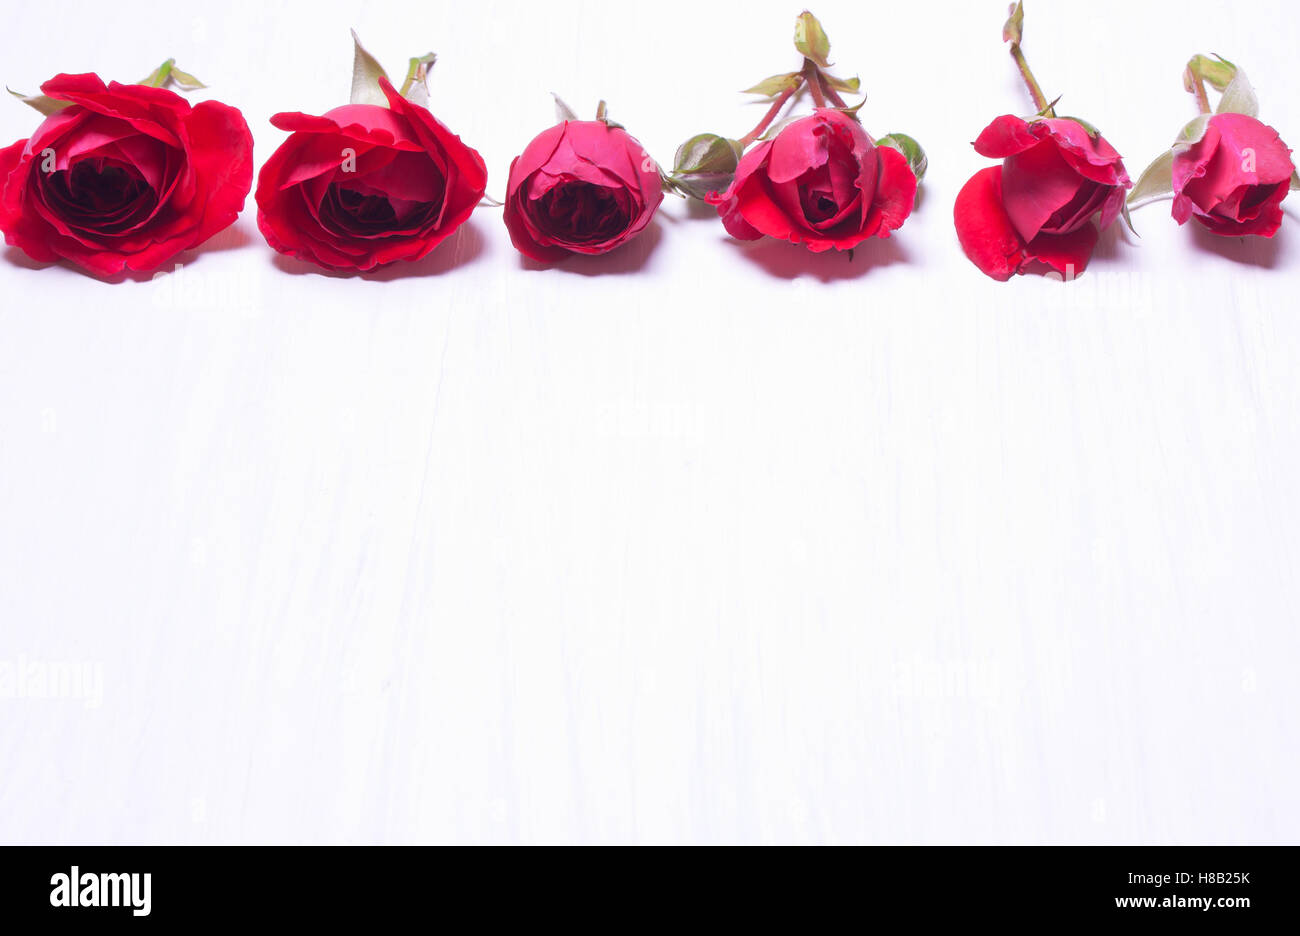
(822, 182)
(1233, 179)
(1055, 177)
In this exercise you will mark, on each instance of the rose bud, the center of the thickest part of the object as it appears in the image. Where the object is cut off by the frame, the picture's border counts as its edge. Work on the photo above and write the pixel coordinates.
(705, 163)
(1227, 170)
(365, 185)
(1234, 178)
(1056, 176)
(822, 182)
(123, 176)
(583, 186)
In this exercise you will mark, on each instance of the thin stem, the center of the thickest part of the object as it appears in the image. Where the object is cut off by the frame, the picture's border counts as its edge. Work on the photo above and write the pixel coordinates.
(812, 77)
(770, 116)
(1196, 85)
(418, 71)
(829, 91)
(1040, 99)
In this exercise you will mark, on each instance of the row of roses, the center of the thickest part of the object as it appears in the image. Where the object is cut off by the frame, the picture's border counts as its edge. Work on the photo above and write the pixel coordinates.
(126, 176)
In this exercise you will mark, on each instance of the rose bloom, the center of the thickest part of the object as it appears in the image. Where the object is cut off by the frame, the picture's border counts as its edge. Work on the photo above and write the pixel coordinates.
(1039, 205)
(1234, 178)
(580, 187)
(366, 185)
(125, 178)
(822, 182)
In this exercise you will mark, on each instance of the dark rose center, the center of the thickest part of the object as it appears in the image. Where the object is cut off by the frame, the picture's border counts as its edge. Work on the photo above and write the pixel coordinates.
(367, 209)
(98, 194)
(583, 212)
(368, 213)
(818, 198)
(818, 206)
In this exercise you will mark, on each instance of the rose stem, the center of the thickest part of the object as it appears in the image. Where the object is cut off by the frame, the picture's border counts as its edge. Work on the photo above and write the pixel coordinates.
(772, 111)
(828, 90)
(812, 76)
(1040, 99)
(1196, 85)
(411, 75)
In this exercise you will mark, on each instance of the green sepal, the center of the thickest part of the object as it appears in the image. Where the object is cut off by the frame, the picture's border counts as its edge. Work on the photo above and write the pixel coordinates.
(911, 150)
(775, 85)
(1155, 183)
(366, 72)
(43, 103)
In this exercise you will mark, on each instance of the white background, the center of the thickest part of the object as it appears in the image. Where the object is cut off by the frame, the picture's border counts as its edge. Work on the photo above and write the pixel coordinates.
(698, 542)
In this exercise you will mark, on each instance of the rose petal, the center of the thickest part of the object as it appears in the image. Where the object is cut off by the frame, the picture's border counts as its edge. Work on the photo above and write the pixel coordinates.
(1005, 136)
(1036, 184)
(985, 231)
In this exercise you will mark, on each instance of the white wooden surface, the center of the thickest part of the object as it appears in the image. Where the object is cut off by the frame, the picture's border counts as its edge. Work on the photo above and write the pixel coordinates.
(700, 543)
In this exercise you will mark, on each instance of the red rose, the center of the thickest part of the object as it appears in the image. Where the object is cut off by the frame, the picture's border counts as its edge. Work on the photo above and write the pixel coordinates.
(1056, 176)
(366, 185)
(580, 187)
(821, 182)
(1233, 179)
(126, 177)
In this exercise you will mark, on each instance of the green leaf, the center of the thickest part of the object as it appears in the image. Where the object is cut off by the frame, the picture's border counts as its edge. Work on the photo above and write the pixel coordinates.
(810, 39)
(1239, 97)
(366, 72)
(775, 85)
(1155, 183)
(41, 102)
(911, 151)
